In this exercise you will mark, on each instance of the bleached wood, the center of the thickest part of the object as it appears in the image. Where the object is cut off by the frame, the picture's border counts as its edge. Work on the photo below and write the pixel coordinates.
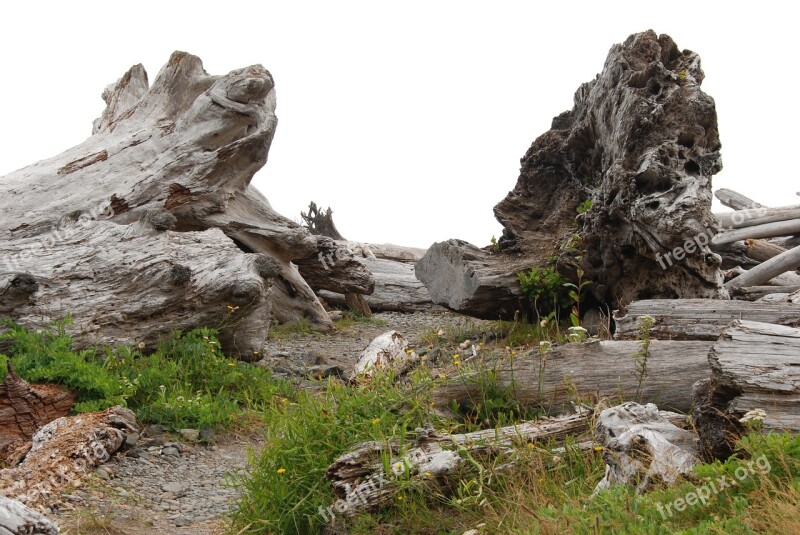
(767, 270)
(766, 230)
(698, 319)
(590, 371)
(735, 200)
(359, 479)
(19, 519)
(757, 216)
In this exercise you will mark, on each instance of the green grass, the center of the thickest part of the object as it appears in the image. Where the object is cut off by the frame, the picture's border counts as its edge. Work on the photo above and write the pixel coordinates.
(187, 382)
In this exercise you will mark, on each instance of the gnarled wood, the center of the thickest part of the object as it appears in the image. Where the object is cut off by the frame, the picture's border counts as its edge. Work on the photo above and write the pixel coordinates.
(698, 319)
(18, 519)
(189, 144)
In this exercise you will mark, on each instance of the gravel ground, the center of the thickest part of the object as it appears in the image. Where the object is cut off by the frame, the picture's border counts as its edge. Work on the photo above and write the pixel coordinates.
(166, 487)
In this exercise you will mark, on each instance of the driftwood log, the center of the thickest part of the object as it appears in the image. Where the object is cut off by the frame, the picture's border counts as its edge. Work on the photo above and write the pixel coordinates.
(24, 408)
(589, 371)
(643, 448)
(361, 484)
(188, 145)
(767, 270)
(18, 519)
(63, 451)
(699, 319)
(736, 200)
(754, 367)
(641, 143)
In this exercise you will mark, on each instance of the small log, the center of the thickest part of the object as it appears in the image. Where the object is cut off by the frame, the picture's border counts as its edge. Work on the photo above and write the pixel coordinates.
(398, 253)
(698, 319)
(643, 448)
(735, 200)
(754, 366)
(767, 230)
(335, 268)
(63, 452)
(359, 479)
(19, 519)
(24, 408)
(767, 270)
(757, 216)
(554, 380)
(762, 250)
(387, 351)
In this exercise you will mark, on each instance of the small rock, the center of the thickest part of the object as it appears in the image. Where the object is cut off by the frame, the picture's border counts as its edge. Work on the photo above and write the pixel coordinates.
(335, 315)
(171, 451)
(470, 532)
(206, 434)
(190, 434)
(130, 440)
(440, 332)
(182, 521)
(104, 473)
(325, 371)
(465, 344)
(155, 430)
(174, 488)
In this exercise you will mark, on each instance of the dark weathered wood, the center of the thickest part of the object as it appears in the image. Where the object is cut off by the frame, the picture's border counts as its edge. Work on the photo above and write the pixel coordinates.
(767, 270)
(320, 221)
(335, 268)
(24, 408)
(699, 319)
(762, 250)
(359, 479)
(590, 371)
(753, 293)
(755, 366)
(18, 519)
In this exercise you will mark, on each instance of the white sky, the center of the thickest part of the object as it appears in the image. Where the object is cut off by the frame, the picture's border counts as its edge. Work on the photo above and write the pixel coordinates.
(408, 118)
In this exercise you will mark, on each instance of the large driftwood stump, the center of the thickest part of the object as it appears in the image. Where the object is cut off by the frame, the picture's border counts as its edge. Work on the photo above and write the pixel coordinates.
(641, 143)
(188, 145)
(24, 408)
(755, 367)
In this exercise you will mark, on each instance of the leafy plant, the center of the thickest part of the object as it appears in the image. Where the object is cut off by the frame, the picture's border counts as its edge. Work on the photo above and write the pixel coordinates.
(496, 245)
(545, 288)
(643, 326)
(576, 293)
(585, 206)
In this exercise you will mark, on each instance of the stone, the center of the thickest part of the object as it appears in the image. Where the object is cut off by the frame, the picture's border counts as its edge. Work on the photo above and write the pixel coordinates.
(190, 434)
(171, 451)
(131, 439)
(173, 488)
(325, 371)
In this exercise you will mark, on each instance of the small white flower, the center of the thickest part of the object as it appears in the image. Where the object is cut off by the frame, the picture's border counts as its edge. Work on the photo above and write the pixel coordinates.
(755, 415)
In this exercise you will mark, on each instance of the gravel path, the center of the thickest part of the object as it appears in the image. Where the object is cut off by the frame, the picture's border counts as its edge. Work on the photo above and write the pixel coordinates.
(162, 486)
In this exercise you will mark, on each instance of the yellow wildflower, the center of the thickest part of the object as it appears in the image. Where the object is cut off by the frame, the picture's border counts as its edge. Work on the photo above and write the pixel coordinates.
(598, 448)
(376, 421)
(281, 470)
(427, 474)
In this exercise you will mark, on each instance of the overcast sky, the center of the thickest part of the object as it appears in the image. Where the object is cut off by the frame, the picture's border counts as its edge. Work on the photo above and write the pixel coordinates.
(409, 118)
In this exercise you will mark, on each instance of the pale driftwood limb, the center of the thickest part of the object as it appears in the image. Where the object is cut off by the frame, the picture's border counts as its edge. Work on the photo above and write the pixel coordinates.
(735, 200)
(698, 319)
(754, 366)
(126, 284)
(398, 253)
(360, 481)
(63, 452)
(757, 216)
(19, 519)
(643, 448)
(767, 230)
(767, 270)
(589, 371)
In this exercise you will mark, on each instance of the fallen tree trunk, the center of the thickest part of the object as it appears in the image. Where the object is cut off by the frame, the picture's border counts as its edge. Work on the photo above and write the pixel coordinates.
(130, 284)
(754, 293)
(559, 377)
(765, 271)
(755, 366)
(396, 288)
(361, 484)
(189, 144)
(766, 230)
(698, 319)
(757, 216)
